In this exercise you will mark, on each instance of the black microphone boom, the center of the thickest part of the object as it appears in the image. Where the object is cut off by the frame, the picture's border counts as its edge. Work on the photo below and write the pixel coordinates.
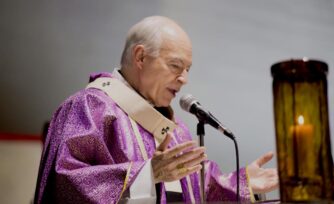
(191, 105)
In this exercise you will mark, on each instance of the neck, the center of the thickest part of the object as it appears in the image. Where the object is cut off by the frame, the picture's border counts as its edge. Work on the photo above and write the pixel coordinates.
(131, 78)
(128, 76)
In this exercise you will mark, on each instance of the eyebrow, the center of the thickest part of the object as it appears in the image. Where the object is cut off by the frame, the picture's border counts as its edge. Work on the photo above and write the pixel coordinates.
(180, 61)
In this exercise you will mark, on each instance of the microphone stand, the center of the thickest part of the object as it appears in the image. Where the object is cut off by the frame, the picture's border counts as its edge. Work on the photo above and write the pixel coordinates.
(200, 134)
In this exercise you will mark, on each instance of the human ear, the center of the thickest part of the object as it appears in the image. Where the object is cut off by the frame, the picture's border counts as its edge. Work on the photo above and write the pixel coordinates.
(138, 55)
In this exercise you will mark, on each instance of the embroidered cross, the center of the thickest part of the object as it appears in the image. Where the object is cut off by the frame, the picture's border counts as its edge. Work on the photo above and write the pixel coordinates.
(164, 130)
(106, 83)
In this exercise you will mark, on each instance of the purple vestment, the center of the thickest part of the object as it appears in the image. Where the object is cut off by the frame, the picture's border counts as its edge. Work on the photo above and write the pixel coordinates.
(91, 156)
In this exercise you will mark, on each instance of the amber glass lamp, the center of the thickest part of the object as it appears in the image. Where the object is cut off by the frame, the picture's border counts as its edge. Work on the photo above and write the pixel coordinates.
(303, 146)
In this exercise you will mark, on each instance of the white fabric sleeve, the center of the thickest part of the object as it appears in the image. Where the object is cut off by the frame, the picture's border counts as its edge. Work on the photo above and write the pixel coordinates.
(144, 186)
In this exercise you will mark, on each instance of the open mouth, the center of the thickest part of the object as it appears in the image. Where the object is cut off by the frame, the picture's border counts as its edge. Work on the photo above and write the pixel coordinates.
(173, 91)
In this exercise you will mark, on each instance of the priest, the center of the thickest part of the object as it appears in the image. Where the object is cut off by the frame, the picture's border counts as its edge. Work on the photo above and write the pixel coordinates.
(118, 140)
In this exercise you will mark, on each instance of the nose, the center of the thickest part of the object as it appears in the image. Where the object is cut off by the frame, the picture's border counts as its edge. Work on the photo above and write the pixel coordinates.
(183, 77)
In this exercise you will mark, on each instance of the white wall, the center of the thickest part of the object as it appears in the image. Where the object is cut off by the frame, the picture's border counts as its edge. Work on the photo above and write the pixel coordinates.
(48, 48)
(19, 168)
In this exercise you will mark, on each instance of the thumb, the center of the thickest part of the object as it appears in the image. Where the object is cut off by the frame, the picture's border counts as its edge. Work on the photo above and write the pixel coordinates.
(264, 158)
(164, 144)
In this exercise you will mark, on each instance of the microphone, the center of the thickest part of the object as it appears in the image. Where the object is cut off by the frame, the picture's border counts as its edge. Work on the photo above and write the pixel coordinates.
(191, 105)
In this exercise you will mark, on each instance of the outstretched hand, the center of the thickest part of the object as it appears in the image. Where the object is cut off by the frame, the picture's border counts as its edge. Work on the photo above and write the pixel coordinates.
(176, 162)
(262, 180)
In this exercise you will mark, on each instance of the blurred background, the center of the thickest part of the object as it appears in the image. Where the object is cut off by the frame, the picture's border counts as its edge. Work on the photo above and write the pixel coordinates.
(48, 49)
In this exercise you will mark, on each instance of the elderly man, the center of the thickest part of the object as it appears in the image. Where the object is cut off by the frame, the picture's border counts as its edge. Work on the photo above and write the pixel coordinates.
(119, 141)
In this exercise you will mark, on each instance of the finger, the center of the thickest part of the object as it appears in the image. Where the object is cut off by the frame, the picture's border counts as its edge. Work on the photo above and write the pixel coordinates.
(169, 161)
(195, 161)
(176, 174)
(269, 185)
(179, 161)
(189, 171)
(273, 171)
(178, 149)
(190, 155)
(164, 144)
(264, 158)
(165, 161)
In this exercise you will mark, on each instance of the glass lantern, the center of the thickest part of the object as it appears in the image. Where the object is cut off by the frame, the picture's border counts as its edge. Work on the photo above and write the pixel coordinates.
(303, 146)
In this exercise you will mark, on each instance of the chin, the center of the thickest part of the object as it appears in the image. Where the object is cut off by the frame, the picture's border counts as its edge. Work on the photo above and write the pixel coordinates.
(163, 103)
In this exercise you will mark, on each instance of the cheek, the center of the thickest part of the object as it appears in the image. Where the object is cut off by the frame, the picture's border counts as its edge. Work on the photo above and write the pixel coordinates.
(157, 79)
(153, 84)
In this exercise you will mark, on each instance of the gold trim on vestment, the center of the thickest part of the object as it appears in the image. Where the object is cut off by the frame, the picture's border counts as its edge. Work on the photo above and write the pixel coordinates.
(126, 180)
(252, 198)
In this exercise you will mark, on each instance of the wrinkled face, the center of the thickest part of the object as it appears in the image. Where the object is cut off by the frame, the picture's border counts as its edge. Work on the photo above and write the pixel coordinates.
(163, 76)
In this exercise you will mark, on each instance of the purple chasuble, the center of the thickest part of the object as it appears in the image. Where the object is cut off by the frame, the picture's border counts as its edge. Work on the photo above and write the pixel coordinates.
(91, 155)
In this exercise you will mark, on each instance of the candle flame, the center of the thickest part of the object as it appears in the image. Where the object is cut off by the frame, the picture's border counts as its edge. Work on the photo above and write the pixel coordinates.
(300, 120)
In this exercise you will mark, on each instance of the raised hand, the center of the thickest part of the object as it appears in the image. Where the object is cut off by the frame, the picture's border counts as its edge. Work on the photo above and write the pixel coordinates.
(262, 180)
(176, 162)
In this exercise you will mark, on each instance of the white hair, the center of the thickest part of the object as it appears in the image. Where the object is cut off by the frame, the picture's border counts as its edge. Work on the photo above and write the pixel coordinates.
(147, 32)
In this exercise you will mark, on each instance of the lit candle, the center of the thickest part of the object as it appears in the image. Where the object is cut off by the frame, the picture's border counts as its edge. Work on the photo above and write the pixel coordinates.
(303, 134)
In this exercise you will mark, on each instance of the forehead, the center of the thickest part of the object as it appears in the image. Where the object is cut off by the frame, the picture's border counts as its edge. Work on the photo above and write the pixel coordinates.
(176, 49)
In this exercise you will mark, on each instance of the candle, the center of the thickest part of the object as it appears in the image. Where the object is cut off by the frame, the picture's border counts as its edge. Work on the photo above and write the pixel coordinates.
(303, 139)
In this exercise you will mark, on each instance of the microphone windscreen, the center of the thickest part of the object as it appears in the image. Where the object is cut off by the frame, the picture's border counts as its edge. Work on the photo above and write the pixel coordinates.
(186, 101)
